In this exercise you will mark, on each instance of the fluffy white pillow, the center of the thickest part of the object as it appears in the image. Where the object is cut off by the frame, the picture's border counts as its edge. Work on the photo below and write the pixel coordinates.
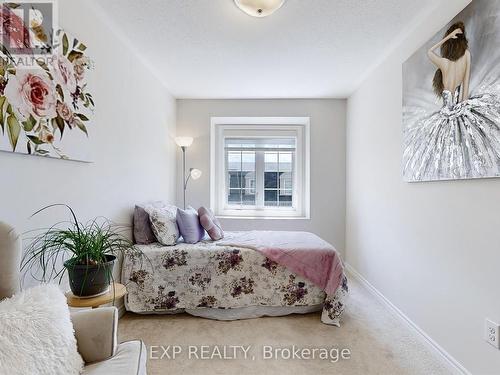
(36, 334)
(164, 223)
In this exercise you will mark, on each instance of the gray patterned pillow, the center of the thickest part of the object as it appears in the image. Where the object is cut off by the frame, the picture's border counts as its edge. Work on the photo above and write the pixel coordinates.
(164, 224)
(143, 234)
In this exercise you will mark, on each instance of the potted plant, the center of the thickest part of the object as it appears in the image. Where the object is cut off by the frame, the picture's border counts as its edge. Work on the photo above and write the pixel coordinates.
(86, 251)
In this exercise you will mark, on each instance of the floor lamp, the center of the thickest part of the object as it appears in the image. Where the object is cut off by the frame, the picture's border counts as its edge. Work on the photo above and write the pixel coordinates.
(184, 143)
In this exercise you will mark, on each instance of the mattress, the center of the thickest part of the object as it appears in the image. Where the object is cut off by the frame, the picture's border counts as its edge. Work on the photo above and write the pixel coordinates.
(220, 282)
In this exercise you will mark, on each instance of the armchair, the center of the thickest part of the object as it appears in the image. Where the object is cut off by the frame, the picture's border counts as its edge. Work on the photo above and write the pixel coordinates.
(95, 330)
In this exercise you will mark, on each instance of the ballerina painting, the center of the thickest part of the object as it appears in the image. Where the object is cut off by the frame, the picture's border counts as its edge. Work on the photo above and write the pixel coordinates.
(451, 108)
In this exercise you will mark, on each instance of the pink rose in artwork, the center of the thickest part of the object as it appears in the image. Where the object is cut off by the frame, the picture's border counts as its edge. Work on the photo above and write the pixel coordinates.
(65, 112)
(31, 92)
(80, 64)
(46, 136)
(64, 73)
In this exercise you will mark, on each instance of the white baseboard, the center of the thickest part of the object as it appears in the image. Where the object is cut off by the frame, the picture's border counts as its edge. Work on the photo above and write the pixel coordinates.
(434, 346)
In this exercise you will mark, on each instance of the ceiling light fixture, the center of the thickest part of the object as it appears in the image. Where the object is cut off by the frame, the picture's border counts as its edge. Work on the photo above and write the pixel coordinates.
(259, 8)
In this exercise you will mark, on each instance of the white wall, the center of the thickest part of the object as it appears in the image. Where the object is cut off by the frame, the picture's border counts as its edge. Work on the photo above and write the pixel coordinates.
(132, 137)
(327, 159)
(431, 248)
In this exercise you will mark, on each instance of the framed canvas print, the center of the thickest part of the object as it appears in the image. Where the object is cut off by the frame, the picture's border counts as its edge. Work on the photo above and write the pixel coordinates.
(451, 100)
(46, 105)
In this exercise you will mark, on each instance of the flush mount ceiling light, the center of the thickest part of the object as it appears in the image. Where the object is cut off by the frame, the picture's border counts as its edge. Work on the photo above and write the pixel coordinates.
(259, 8)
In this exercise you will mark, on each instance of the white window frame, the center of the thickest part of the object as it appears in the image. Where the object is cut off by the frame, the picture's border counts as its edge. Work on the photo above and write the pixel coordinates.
(246, 125)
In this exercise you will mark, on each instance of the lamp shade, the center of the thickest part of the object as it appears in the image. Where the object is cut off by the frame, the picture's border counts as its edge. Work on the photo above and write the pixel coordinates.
(259, 8)
(195, 173)
(184, 141)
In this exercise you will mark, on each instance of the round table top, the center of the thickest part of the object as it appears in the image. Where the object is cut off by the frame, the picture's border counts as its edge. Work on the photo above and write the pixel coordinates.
(116, 290)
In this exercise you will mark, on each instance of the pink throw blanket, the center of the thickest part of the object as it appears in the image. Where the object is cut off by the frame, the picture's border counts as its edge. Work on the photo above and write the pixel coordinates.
(303, 253)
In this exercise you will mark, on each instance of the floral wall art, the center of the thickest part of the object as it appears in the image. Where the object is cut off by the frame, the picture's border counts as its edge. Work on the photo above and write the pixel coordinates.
(46, 107)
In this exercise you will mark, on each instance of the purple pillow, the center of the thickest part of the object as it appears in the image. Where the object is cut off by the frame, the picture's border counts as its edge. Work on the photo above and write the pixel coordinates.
(143, 234)
(210, 223)
(189, 225)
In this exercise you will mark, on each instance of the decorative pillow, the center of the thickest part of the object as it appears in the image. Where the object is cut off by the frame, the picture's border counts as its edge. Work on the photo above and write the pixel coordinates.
(164, 224)
(189, 225)
(143, 234)
(210, 223)
(36, 334)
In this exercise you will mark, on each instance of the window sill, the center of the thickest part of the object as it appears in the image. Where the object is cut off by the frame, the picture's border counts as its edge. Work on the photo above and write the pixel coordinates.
(227, 217)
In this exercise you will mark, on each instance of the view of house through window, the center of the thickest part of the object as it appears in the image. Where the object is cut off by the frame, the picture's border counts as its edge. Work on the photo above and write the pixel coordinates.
(278, 179)
(241, 174)
(260, 172)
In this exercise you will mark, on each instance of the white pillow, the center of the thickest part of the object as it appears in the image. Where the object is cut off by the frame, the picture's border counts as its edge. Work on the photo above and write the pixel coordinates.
(36, 334)
(164, 223)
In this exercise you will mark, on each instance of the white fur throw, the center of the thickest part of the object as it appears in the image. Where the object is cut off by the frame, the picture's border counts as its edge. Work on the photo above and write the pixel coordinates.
(36, 334)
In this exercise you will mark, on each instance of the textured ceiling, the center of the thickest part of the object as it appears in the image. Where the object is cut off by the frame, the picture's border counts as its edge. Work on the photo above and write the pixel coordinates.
(307, 49)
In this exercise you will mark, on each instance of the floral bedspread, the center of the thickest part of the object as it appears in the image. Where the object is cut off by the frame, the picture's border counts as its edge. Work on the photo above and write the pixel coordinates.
(204, 275)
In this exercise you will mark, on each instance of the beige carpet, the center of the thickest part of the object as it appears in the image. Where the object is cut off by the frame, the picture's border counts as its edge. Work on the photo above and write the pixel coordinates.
(378, 342)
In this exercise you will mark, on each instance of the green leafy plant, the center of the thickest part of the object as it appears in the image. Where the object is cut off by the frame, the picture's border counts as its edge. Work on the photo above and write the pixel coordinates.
(70, 243)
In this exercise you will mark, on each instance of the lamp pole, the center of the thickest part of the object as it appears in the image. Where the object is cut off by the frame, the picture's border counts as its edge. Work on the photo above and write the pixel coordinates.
(184, 173)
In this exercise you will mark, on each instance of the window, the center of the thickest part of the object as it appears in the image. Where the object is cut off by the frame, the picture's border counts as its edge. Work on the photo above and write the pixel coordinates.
(259, 172)
(260, 167)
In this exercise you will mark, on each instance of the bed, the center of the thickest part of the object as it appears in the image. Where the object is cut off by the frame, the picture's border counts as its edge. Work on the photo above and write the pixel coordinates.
(223, 282)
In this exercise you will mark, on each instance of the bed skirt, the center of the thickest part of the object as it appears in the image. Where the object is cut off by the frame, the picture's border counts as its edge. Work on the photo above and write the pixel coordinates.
(241, 313)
